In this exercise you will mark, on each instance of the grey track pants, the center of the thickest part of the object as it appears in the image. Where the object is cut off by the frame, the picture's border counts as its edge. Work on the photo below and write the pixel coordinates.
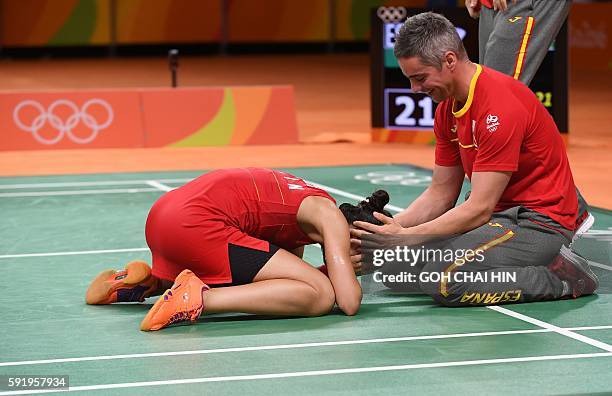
(517, 245)
(515, 42)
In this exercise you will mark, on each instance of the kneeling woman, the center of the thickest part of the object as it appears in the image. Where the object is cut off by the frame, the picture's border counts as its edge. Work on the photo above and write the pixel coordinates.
(232, 241)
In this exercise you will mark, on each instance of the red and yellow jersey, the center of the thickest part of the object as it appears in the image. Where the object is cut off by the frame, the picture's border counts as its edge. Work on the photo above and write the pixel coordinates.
(503, 127)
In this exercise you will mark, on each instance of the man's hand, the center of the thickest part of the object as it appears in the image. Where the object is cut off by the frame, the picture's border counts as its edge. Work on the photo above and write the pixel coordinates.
(389, 227)
(364, 244)
(473, 7)
(366, 237)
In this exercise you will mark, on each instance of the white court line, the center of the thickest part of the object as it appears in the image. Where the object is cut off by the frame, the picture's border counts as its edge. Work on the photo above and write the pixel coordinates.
(349, 195)
(156, 184)
(556, 329)
(76, 192)
(502, 310)
(590, 233)
(73, 253)
(588, 328)
(286, 346)
(87, 184)
(314, 373)
(559, 330)
(159, 185)
(544, 325)
(185, 180)
(599, 265)
(268, 347)
(398, 209)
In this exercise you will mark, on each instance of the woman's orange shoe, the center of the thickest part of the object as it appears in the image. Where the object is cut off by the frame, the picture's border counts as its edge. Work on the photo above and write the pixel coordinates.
(182, 302)
(133, 284)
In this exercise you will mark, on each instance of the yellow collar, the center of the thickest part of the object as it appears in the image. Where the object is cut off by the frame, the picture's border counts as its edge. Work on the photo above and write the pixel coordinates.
(468, 102)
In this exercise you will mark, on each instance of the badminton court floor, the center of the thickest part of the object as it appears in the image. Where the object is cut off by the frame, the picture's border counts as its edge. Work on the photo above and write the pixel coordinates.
(58, 232)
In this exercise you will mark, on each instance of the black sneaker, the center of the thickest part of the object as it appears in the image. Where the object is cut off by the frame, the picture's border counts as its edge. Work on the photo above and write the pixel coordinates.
(571, 267)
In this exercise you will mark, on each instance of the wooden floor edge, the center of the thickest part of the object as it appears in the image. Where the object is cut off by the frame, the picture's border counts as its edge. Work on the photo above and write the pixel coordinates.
(58, 162)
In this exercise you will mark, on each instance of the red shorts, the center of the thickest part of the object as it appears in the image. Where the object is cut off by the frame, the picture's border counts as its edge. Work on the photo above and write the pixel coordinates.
(219, 230)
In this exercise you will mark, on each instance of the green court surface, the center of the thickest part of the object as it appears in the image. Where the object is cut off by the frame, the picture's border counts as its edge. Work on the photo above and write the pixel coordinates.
(58, 232)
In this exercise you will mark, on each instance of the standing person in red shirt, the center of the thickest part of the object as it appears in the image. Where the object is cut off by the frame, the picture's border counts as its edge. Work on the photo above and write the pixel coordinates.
(514, 36)
(232, 241)
(523, 206)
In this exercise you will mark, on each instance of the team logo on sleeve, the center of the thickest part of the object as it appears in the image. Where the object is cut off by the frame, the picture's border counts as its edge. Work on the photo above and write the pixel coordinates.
(492, 123)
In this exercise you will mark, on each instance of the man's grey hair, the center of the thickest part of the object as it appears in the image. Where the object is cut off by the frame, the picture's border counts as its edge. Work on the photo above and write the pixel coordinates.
(428, 36)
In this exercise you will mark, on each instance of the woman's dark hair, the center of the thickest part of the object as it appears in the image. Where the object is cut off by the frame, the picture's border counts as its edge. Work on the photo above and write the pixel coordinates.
(364, 210)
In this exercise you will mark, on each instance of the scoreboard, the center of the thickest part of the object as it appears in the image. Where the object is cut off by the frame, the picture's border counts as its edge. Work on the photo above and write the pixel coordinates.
(397, 112)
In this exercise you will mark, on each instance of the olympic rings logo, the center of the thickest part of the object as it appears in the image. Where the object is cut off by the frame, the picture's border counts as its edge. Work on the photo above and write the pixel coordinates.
(401, 178)
(391, 14)
(63, 127)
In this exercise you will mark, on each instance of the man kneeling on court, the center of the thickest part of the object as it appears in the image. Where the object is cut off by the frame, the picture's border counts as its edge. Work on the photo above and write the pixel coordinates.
(510, 235)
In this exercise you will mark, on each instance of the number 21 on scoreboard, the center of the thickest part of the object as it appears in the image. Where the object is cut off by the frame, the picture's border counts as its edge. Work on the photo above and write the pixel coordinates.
(405, 109)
